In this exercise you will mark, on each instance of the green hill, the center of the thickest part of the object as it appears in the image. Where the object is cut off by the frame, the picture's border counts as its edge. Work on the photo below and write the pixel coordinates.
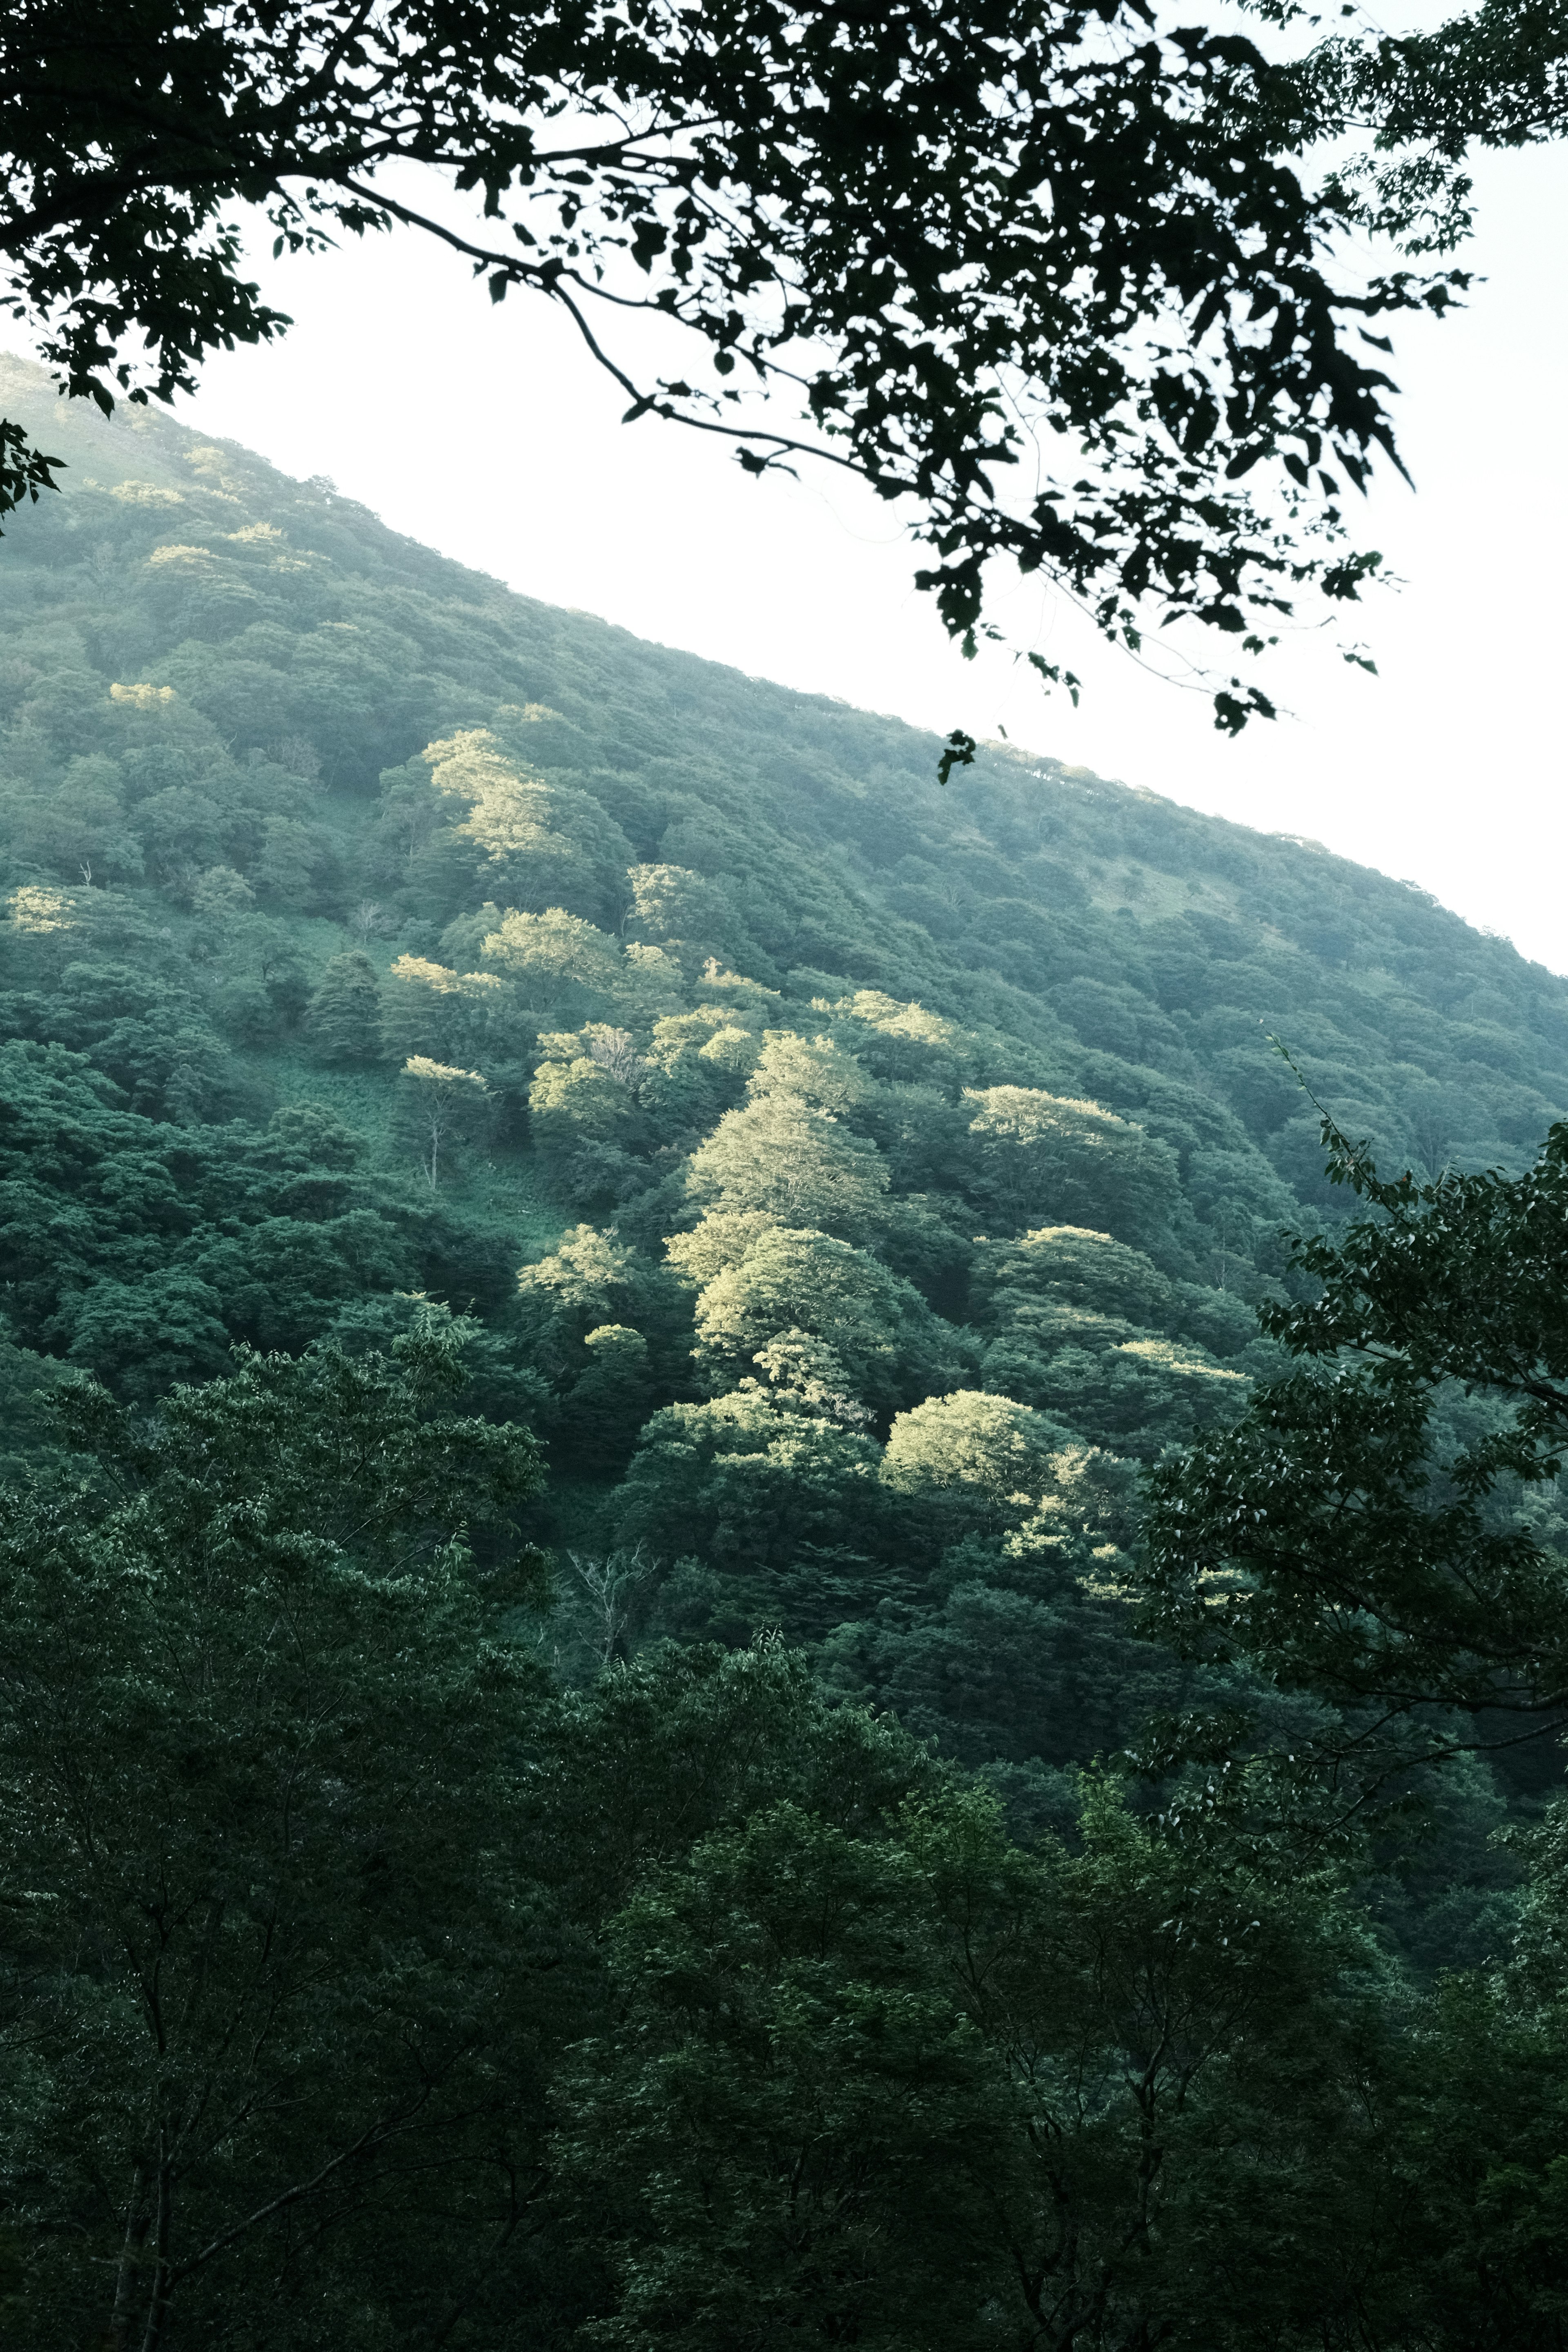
(890, 1168)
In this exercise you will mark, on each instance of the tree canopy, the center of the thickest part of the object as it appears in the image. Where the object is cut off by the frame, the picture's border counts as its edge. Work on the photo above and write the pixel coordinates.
(241, 1839)
(1062, 280)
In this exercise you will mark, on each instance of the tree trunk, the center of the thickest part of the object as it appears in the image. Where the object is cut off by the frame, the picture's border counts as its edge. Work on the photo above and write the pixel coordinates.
(158, 2309)
(136, 2225)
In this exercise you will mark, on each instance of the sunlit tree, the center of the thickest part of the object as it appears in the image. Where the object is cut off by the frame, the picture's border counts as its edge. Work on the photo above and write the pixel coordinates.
(445, 1105)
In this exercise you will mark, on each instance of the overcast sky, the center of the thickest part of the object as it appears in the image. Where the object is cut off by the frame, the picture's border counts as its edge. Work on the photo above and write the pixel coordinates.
(483, 431)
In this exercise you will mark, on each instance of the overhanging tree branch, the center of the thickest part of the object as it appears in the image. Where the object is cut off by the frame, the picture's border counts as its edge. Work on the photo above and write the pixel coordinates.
(944, 234)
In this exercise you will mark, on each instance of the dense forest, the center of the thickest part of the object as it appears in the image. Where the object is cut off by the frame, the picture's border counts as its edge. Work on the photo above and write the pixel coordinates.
(596, 1270)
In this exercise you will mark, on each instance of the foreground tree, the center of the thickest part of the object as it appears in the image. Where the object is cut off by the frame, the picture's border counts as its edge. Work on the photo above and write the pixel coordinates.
(1381, 1525)
(266, 2012)
(910, 2086)
(1495, 78)
(955, 241)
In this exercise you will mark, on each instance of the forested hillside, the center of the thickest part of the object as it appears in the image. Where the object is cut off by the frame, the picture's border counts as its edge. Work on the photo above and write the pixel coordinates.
(865, 1147)
(845, 1189)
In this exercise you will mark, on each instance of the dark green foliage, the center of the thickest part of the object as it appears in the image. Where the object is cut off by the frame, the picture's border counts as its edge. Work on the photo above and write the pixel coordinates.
(379, 1987)
(243, 1851)
(858, 1191)
(685, 1742)
(918, 2088)
(141, 1249)
(1381, 1525)
(797, 2144)
(342, 1019)
(30, 1442)
(749, 1483)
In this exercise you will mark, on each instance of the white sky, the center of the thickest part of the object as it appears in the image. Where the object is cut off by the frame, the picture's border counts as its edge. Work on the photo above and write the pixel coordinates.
(483, 431)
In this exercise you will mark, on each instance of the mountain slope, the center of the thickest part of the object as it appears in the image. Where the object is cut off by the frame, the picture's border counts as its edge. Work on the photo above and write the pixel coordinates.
(890, 1168)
